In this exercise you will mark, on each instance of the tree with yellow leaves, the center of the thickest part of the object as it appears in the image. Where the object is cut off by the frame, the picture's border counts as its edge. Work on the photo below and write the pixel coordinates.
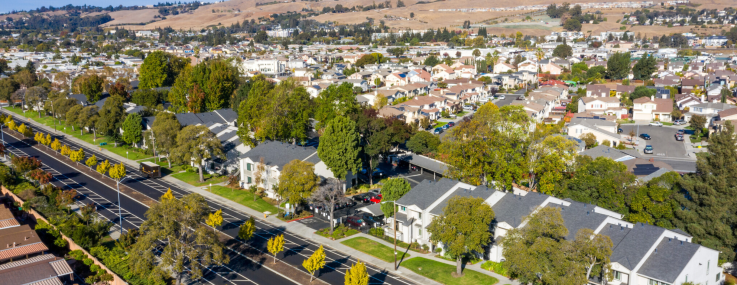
(315, 262)
(247, 229)
(77, 156)
(92, 161)
(65, 150)
(8, 119)
(103, 167)
(48, 140)
(168, 195)
(22, 128)
(276, 245)
(39, 138)
(215, 219)
(11, 125)
(357, 275)
(25, 131)
(56, 145)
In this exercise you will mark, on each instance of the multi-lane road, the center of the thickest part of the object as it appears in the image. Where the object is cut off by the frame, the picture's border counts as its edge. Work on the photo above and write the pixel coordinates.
(241, 269)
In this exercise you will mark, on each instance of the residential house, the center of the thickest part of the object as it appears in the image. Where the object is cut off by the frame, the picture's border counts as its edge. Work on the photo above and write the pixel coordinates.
(602, 129)
(708, 110)
(597, 91)
(551, 68)
(652, 109)
(503, 67)
(601, 106)
(271, 156)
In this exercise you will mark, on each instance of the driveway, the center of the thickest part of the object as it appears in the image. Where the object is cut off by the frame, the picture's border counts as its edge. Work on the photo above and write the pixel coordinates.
(662, 139)
(509, 98)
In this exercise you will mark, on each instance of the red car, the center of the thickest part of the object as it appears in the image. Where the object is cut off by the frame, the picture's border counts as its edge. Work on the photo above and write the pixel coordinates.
(355, 221)
(375, 198)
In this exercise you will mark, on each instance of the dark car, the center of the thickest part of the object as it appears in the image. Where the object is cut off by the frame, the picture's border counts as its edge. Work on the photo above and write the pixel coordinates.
(359, 198)
(445, 127)
(681, 132)
(371, 220)
(645, 136)
(355, 221)
(438, 131)
(649, 149)
(451, 124)
(619, 130)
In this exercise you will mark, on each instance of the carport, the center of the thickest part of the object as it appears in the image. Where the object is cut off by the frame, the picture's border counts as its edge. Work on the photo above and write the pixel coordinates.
(427, 164)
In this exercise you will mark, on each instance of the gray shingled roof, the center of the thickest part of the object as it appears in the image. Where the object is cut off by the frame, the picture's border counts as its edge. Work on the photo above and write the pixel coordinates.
(427, 163)
(186, 119)
(211, 118)
(426, 193)
(635, 244)
(482, 192)
(669, 259)
(512, 209)
(228, 114)
(579, 216)
(615, 232)
(279, 154)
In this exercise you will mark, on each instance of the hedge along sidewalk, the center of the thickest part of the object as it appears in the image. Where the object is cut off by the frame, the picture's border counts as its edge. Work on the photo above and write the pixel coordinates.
(48, 121)
(72, 245)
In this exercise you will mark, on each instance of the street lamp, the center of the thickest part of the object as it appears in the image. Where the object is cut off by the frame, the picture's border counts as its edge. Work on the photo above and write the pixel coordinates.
(126, 155)
(2, 135)
(120, 216)
(394, 228)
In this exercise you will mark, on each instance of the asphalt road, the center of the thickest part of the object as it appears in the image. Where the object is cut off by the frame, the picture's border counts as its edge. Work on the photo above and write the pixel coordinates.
(298, 248)
(508, 99)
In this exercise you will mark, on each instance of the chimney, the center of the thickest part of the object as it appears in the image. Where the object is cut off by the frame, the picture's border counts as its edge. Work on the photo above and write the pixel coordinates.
(13, 244)
(703, 98)
(652, 97)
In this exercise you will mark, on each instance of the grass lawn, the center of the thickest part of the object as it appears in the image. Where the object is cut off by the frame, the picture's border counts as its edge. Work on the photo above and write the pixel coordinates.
(244, 198)
(440, 124)
(193, 178)
(667, 124)
(440, 272)
(461, 113)
(121, 149)
(175, 168)
(375, 249)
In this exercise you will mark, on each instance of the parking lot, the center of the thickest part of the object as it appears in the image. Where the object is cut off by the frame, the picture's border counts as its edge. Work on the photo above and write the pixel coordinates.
(662, 139)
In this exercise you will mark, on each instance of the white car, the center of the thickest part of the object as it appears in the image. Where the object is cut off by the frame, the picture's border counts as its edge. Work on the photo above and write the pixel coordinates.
(501, 97)
(657, 124)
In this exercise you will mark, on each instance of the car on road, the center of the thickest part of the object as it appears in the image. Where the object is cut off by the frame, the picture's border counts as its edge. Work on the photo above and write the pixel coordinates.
(468, 108)
(657, 124)
(678, 122)
(438, 131)
(355, 221)
(522, 97)
(374, 197)
(360, 198)
(378, 173)
(681, 132)
(645, 136)
(445, 127)
(649, 149)
(502, 97)
(451, 124)
(619, 130)
(679, 137)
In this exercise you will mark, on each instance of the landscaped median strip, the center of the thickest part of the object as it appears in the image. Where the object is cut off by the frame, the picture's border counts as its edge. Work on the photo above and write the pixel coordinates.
(375, 249)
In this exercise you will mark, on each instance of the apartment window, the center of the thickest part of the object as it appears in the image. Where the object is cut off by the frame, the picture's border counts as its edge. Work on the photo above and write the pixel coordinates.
(403, 208)
(419, 215)
(617, 275)
(248, 166)
(249, 180)
(719, 276)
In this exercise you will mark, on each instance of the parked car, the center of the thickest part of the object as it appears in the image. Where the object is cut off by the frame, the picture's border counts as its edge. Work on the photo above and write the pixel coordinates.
(649, 149)
(522, 97)
(378, 173)
(679, 137)
(678, 122)
(681, 132)
(451, 124)
(468, 107)
(620, 130)
(360, 198)
(438, 131)
(375, 198)
(372, 221)
(445, 127)
(501, 97)
(355, 221)
(645, 136)
(657, 124)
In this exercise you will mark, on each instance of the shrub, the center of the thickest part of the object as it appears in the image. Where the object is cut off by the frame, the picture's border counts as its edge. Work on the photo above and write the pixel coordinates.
(497, 267)
(425, 247)
(378, 232)
(438, 249)
(27, 194)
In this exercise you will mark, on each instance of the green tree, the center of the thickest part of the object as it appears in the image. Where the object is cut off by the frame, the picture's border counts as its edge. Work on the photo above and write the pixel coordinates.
(297, 181)
(154, 71)
(73, 115)
(111, 117)
(335, 101)
(374, 137)
(392, 190)
(165, 129)
(563, 51)
(275, 245)
(218, 79)
(618, 66)
(357, 274)
(148, 97)
(697, 122)
(339, 147)
(189, 242)
(601, 181)
(195, 144)
(315, 262)
(547, 162)
(431, 61)
(463, 227)
(132, 129)
(8, 86)
(423, 143)
(180, 91)
(644, 68)
(705, 211)
(642, 91)
(572, 24)
(91, 87)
